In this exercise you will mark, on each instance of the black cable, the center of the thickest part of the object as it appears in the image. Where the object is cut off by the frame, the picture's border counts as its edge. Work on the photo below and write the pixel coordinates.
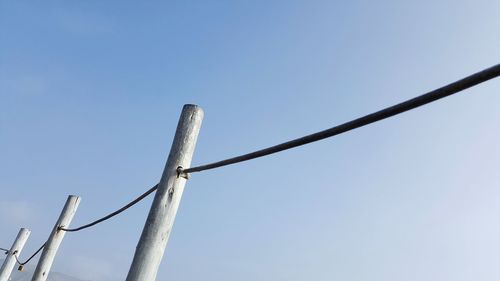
(132, 203)
(429, 97)
(135, 201)
(5, 250)
(439, 93)
(32, 256)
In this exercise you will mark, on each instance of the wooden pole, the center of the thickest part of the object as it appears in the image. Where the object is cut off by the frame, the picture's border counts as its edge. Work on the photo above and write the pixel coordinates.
(154, 237)
(15, 250)
(56, 236)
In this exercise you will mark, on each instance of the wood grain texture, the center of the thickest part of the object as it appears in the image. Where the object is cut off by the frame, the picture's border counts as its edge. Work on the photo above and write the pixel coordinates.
(154, 237)
(56, 236)
(15, 250)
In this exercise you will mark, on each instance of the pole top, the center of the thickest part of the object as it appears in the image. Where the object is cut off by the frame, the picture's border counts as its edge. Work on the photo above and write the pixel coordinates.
(192, 107)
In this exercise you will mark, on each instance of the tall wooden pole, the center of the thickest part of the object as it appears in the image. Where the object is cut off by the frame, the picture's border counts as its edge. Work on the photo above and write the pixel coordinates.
(15, 250)
(56, 236)
(154, 237)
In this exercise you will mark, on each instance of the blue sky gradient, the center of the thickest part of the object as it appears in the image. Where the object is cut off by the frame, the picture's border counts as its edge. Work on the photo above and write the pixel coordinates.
(90, 94)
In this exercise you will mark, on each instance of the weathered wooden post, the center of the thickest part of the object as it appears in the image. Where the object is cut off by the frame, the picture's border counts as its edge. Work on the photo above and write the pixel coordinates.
(154, 237)
(56, 236)
(15, 250)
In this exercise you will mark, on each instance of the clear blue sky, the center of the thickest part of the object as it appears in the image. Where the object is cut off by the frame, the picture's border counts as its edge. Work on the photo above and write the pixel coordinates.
(90, 94)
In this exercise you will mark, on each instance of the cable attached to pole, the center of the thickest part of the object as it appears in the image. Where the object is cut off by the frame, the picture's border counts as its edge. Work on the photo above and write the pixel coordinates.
(22, 264)
(426, 98)
(132, 203)
(399, 108)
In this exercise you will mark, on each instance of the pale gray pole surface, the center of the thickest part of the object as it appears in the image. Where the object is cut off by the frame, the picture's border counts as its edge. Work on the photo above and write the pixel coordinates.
(15, 250)
(154, 237)
(55, 239)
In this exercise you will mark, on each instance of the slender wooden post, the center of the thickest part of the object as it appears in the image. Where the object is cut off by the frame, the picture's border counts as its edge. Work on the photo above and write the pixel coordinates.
(56, 236)
(15, 250)
(154, 237)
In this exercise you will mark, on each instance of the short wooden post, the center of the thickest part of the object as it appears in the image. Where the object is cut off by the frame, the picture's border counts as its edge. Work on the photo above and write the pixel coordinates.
(56, 236)
(154, 237)
(15, 250)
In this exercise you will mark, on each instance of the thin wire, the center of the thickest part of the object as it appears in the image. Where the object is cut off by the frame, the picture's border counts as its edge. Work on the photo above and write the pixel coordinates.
(32, 256)
(5, 250)
(429, 97)
(132, 203)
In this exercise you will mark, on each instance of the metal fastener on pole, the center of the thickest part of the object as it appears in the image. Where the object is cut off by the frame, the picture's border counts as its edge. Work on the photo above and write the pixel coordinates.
(154, 237)
(56, 236)
(15, 250)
